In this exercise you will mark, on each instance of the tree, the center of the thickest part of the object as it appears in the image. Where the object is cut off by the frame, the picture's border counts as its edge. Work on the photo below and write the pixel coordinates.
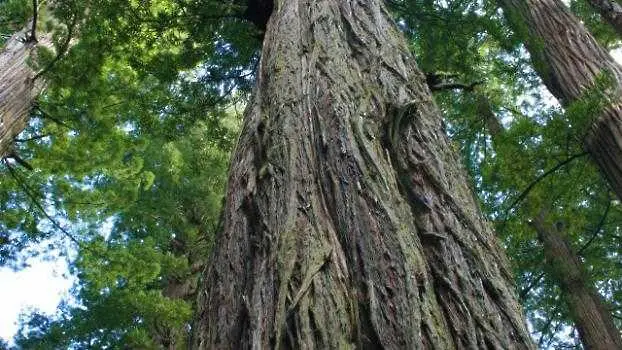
(593, 320)
(610, 11)
(348, 219)
(562, 264)
(18, 88)
(571, 63)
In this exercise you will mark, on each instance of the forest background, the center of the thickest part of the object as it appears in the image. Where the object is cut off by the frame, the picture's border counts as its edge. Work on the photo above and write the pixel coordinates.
(122, 165)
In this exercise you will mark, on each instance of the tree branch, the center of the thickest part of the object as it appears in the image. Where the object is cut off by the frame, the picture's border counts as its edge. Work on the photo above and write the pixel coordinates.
(33, 31)
(46, 115)
(540, 178)
(33, 198)
(62, 49)
(33, 138)
(598, 228)
(29, 193)
(526, 290)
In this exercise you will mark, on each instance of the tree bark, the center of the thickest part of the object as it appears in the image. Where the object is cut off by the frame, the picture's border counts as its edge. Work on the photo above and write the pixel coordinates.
(610, 11)
(569, 59)
(18, 89)
(592, 319)
(348, 219)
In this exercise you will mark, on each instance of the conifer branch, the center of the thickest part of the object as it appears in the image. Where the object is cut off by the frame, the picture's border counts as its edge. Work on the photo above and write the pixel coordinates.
(528, 189)
(33, 138)
(64, 47)
(33, 198)
(533, 283)
(30, 194)
(599, 227)
(46, 115)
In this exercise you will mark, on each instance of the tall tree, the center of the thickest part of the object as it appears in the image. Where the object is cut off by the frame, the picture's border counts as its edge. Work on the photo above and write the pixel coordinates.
(592, 319)
(570, 62)
(610, 11)
(348, 219)
(586, 307)
(18, 88)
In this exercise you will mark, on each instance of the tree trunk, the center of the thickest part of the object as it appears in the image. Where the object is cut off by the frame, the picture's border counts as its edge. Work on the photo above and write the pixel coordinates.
(568, 59)
(348, 219)
(610, 11)
(18, 89)
(592, 319)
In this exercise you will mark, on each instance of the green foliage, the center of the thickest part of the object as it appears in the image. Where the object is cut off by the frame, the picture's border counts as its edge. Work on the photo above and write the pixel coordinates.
(14, 14)
(133, 131)
(601, 30)
(510, 135)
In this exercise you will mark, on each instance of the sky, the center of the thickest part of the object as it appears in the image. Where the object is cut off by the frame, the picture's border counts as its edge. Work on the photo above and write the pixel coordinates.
(40, 286)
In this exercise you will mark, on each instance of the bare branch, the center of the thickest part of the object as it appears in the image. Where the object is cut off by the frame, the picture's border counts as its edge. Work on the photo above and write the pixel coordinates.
(33, 31)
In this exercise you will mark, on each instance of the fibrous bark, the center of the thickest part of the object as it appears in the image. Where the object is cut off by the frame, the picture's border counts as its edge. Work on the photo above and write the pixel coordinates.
(348, 219)
(592, 319)
(569, 60)
(610, 11)
(18, 89)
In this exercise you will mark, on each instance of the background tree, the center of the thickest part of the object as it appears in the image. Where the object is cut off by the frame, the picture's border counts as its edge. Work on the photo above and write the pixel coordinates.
(610, 11)
(570, 62)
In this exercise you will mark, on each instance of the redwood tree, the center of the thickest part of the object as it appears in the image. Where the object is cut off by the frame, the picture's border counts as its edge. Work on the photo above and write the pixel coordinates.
(592, 319)
(569, 60)
(18, 88)
(610, 11)
(348, 220)
(587, 309)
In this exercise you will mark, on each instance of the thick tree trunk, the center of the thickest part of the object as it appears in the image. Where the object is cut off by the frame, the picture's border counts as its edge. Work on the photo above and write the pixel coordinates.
(610, 11)
(592, 319)
(348, 220)
(18, 89)
(568, 59)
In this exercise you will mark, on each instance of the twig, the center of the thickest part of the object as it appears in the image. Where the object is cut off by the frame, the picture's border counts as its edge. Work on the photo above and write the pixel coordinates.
(38, 205)
(29, 193)
(537, 180)
(46, 115)
(598, 228)
(33, 31)
(33, 138)
(525, 291)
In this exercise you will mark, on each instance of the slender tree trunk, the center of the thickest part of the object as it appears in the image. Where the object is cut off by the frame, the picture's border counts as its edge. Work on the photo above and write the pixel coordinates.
(610, 11)
(594, 322)
(18, 90)
(568, 59)
(348, 219)
(592, 319)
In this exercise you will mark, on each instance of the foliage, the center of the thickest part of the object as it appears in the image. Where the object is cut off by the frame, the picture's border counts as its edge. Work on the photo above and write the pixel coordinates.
(130, 160)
